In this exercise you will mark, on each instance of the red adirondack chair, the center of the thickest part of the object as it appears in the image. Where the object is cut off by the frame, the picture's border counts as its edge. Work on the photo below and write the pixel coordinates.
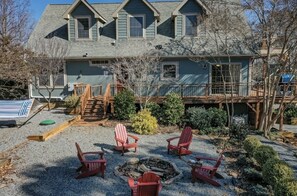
(90, 167)
(122, 141)
(183, 144)
(206, 173)
(147, 185)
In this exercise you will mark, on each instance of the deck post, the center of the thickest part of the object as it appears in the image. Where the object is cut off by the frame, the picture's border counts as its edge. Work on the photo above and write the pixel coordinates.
(257, 115)
(281, 119)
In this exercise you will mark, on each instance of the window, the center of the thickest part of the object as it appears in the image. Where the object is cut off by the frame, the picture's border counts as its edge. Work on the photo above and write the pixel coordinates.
(228, 74)
(99, 62)
(58, 79)
(83, 28)
(50, 80)
(169, 71)
(191, 24)
(136, 26)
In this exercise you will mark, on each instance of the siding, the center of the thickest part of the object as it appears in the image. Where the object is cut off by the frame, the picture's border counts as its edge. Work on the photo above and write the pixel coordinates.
(71, 29)
(179, 26)
(136, 7)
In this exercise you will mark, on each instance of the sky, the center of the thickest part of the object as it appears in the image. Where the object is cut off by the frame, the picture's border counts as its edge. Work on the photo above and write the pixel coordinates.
(37, 6)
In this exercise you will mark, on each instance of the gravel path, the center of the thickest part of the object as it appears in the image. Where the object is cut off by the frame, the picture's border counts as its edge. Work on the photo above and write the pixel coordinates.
(10, 137)
(48, 168)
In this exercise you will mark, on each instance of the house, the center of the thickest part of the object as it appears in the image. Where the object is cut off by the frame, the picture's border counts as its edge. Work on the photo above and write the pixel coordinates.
(97, 33)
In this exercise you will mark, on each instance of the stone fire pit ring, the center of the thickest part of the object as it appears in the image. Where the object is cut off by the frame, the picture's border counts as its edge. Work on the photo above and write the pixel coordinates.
(135, 167)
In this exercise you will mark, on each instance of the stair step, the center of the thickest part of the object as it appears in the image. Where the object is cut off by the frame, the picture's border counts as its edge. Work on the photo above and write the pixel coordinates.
(94, 107)
(93, 110)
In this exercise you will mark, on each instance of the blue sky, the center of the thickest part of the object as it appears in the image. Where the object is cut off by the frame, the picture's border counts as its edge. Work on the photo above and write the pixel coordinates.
(37, 6)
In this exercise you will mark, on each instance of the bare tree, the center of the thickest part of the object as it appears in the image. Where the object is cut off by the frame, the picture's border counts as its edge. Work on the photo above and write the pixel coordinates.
(138, 73)
(274, 27)
(47, 66)
(14, 31)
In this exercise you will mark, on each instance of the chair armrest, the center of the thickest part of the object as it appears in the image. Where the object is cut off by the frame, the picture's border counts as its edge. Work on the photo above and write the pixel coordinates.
(184, 144)
(134, 137)
(206, 158)
(170, 139)
(131, 183)
(119, 140)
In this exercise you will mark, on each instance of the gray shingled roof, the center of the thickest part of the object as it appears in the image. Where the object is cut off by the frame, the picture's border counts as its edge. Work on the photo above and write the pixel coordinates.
(52, 21)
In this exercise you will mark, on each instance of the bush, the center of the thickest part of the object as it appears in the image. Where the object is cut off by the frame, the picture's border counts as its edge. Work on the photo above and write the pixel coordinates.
(252, 175)
(124, 104)
(263, 153)
(173, 109)
(258, 190)
(144, 123)
(286, 188)
(71, 101)
(238, 131)
(218, 117)
(290, 111)
(275, 171)
(155, 110)
(250, 144)
(198, 118)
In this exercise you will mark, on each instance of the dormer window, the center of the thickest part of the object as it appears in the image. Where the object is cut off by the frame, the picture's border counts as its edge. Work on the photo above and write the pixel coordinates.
(83, 25)
(191, 24)
(136, 26)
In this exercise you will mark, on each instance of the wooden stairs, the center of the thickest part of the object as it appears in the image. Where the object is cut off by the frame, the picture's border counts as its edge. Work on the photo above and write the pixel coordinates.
(94, 110)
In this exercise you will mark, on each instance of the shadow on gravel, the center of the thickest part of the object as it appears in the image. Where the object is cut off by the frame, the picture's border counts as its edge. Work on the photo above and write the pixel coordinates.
(59, 179)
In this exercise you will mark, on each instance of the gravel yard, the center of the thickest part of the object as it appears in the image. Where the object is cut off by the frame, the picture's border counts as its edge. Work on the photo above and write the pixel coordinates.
(49, 168)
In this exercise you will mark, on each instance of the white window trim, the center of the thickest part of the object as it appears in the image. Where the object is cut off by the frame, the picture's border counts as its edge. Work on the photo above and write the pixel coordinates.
(76, 27)
(184, 24)
(52, 82)
(176, 70)
(143, 28)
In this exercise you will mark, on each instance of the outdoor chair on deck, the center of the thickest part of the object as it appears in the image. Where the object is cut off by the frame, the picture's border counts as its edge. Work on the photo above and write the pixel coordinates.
(206, 173)
(122, 141)
(183, 144)
(90, 167)
(149, 184)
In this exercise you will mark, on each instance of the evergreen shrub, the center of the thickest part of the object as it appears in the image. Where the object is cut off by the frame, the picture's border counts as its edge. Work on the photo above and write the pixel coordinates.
(124, 105)
(144, 123)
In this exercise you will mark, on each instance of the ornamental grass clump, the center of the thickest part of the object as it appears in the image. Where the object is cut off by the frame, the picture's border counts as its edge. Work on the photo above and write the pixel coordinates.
(275, 171)
(286, 188)
(250, 144)
(263, 153)
(124, 105)
(71, 101)
(144, 123)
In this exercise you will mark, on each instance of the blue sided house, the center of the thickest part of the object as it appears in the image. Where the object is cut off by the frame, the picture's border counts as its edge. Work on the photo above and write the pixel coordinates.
(98, 33)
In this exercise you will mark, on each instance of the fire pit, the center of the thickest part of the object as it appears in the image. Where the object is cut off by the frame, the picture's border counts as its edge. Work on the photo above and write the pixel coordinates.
(135, 167)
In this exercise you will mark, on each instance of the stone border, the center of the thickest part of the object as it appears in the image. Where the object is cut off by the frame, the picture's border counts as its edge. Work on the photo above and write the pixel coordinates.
(167, 182)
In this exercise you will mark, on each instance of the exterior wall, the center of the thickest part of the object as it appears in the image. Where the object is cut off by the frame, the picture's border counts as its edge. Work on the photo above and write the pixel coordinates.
(82, 10)
(135, 7)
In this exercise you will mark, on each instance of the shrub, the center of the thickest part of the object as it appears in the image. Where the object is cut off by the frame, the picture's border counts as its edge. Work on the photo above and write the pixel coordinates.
(71, 101)
(144, 123)
(252, 174)
(173, 109)
(250, 144)
(258, 190)
(290, 111)
(218, 117)
(263, 153)
(286, 188)
(124, 104)
(155, 109)
(198, 118)
(275, 171)
(238, 131)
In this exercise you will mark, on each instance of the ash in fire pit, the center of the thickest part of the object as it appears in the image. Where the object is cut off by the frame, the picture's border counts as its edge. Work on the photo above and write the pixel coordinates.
(134, 168)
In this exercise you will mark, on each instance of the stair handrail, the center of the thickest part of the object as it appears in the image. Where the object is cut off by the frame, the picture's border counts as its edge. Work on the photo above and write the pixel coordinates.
(84, 98)
(106, 98)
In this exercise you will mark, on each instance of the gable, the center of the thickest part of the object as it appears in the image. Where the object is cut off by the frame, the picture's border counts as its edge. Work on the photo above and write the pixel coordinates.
(149, 5)
(191, 6)
(82, 4)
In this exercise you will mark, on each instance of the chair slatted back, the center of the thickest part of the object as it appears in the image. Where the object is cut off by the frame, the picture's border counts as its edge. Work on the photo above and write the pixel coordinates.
(217, 165)
(186, 136)
(149, 184)
(121, 133)
(79, 153)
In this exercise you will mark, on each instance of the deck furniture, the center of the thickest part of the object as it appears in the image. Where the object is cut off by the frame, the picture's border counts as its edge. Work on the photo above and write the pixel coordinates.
(149, 184)
(182, 147)
(122, 141)
(206, 173)
(90, 167)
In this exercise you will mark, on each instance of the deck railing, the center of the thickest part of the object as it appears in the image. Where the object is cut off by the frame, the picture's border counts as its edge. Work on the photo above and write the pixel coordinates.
(85, 97)
(106, 98)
